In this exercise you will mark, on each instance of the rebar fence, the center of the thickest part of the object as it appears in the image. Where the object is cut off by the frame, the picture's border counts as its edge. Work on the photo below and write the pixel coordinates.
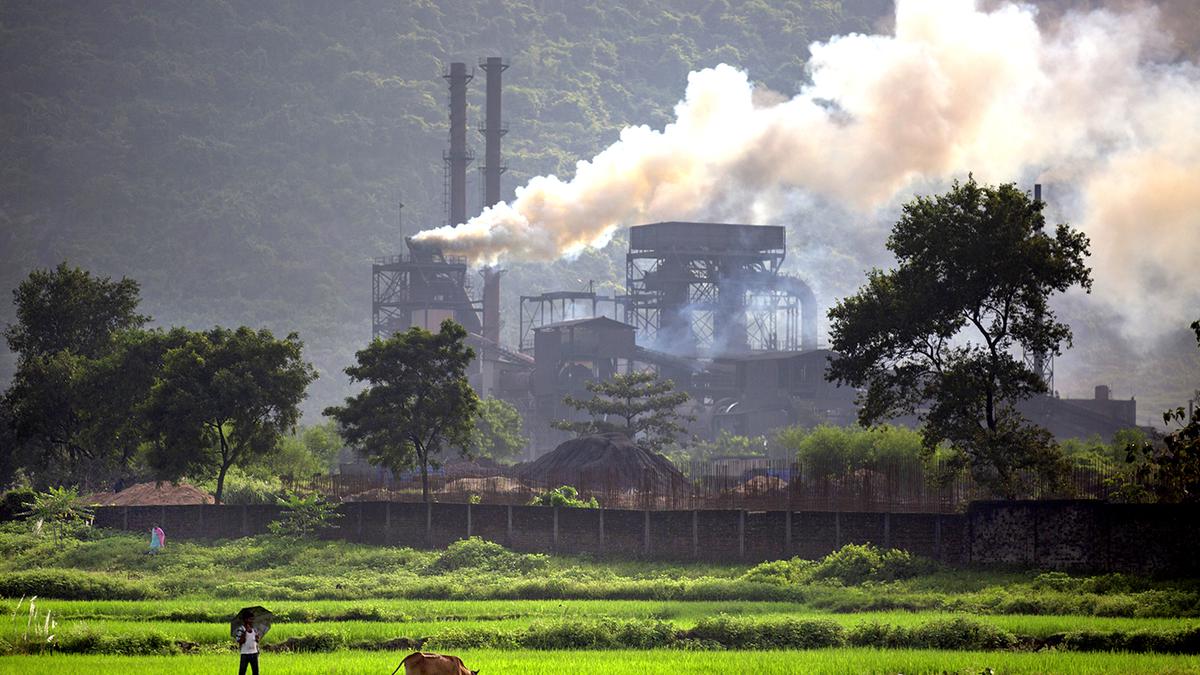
(752, 484)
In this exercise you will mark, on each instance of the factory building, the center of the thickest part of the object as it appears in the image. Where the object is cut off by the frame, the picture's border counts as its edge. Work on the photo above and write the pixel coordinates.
(706, 305)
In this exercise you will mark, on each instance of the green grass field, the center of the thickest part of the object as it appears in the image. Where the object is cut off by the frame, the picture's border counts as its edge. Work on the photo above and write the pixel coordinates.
(847, 661)
(342, 608)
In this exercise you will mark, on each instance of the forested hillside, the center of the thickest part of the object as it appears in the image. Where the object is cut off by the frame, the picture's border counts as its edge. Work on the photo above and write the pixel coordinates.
(242, 159)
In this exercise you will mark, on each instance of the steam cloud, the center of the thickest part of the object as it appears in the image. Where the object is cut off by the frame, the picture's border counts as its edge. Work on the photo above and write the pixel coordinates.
(1095, 105)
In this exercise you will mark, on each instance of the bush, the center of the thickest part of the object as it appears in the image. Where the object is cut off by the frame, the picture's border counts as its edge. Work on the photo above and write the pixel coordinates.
(16, 503)
(303, 517)
(565, 496)
(735, 633)
(855, 563)
(72, 585)
(961, 633)
(780, 572)
(480, 554)
(602, 634)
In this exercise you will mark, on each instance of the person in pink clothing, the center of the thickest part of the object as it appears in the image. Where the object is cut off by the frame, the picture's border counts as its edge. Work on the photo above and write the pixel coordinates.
(158, 539)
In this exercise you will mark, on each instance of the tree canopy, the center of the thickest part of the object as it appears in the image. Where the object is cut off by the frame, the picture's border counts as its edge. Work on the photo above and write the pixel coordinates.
(499, 430)
(417, 402)
(938, 336)
(69, 310)
(223, 399)
(79, 378)
(639, 405)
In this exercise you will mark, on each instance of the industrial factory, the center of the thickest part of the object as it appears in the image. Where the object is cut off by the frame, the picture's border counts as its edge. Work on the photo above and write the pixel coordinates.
(706, 305)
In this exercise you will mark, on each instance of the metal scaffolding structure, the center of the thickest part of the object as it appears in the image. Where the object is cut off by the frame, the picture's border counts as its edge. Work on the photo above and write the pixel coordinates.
(541, 310)
(710, 288)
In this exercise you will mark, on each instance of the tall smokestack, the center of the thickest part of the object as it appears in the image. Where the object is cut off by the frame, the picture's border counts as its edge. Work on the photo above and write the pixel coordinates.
(458, 157)
(493, 130)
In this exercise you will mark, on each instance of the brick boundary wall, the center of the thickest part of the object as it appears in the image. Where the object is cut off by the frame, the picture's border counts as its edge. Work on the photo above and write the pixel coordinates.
(1068, 535)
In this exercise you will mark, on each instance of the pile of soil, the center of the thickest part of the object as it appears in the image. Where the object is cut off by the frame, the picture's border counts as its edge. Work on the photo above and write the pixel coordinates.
(493, 484)
(482, 467)
(605, 462)
(152, 494)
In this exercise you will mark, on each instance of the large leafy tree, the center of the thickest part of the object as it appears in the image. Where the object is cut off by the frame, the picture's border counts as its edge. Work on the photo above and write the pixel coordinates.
(74, 387)
(639, 405)
(417, 401)
(938, 336)
(223, 399)
(69, 310)
(499, 430)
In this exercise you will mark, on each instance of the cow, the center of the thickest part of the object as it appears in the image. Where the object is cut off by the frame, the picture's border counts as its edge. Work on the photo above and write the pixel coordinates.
(426, 663)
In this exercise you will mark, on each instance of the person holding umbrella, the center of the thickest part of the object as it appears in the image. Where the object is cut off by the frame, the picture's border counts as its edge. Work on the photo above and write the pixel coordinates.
(248, 628)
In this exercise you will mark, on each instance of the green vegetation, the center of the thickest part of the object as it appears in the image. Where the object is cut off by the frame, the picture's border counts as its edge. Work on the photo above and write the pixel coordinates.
(417, 402)
(639, 662)
(224, 398)
(566, 496)
(639, 405)
(938, 336)
(304, 516)
(499, 432)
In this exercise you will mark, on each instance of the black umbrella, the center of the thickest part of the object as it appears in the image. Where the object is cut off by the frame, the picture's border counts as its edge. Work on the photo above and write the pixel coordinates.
(260, 618)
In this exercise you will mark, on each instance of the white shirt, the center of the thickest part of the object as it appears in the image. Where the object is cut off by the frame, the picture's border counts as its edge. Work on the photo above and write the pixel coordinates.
(250, 646)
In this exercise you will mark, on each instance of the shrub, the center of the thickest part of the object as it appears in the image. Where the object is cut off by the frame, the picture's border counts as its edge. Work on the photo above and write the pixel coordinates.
(72, 585)
(565, 496)
(734, 633)
(961, 633)
(878, 635)
(479, 554)
(304, 517)
(15, 503)
(856, 563)
(780, 572)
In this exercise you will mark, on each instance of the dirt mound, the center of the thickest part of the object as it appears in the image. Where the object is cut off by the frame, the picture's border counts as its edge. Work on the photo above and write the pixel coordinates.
(152, 494)
(490, 484)
(761, 485)
(609, 462)
(481, 467)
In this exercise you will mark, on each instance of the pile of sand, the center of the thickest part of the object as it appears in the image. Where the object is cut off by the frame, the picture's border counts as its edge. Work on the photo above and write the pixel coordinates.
(608, 462)
(152, 494)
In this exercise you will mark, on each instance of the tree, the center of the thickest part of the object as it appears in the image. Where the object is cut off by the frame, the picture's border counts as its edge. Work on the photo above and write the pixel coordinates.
(304, 516)
(223, 399)
(639, 405)
(498, 430)
(68, 310)
(59, 509)
(76, 384)
(1169, 472)
(310, 450)
(936, 336)
(417, 401)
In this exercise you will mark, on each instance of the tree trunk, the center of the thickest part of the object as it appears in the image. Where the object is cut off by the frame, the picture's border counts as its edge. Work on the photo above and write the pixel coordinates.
(424, 481)
(221, 482)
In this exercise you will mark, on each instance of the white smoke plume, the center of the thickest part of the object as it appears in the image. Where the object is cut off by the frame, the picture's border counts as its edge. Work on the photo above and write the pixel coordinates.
(1093, 104)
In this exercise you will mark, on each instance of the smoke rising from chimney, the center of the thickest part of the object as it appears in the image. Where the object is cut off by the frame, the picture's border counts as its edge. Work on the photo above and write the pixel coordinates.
(1092, 105)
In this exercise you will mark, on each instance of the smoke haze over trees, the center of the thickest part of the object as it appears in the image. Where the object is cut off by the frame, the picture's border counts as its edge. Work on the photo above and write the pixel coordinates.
(243, 160)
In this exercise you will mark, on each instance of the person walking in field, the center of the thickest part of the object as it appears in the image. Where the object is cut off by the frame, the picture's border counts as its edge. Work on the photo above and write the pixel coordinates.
(158, 539)
(247, 639)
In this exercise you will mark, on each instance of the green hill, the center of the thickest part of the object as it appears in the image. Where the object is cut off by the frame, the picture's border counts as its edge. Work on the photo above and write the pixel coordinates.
(243, 158)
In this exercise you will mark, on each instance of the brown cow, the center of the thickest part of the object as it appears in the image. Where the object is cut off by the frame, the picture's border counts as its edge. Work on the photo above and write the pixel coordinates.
(426, 663)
